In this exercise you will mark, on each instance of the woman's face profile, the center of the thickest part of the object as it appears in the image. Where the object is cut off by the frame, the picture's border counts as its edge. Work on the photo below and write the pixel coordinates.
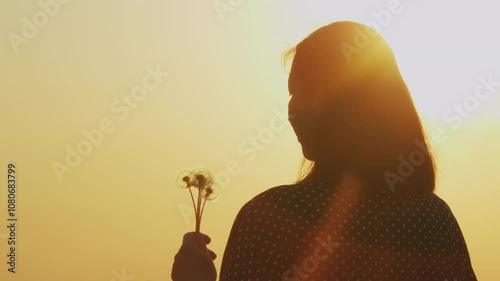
(303, 114)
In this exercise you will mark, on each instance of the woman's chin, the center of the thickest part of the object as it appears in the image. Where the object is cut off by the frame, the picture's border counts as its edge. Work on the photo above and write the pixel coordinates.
(308, 155)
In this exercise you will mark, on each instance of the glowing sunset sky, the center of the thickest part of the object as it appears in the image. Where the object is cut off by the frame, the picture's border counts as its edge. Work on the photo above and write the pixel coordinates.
(176, 84)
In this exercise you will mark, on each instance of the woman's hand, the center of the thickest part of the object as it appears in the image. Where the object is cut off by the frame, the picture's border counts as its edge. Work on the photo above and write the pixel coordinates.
(194, 262)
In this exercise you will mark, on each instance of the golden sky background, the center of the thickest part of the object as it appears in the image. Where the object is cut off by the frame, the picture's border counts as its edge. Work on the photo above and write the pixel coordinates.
(215, 82)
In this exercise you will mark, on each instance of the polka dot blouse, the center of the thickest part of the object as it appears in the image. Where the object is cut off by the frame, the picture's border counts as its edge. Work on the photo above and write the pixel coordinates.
(313, 231)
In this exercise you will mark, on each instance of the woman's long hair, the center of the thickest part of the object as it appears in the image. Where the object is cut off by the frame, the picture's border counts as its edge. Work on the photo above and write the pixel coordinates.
(369, 125)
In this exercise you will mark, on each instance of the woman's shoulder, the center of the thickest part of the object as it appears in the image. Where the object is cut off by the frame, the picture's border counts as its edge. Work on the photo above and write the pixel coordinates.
(288, 198)
(305, 193)
(288, 192)
(266, 197)
(310, 188)
(421, 199)
(269, 197)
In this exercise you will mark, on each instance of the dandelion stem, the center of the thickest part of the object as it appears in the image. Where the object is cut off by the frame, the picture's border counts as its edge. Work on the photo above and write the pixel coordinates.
(202, 180)
(198, 217)
(192, 198)
(203, 207)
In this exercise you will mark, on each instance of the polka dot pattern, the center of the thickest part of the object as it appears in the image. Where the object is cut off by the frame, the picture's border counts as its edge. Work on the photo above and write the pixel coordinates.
(317, 231)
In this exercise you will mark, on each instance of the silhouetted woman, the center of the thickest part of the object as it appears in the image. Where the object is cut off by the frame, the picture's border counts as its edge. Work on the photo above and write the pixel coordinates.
(366, 209)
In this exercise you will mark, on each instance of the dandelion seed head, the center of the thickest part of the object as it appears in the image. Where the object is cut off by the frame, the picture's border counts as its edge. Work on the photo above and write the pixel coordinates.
(183, 178)
(201, 178)
(210, 193)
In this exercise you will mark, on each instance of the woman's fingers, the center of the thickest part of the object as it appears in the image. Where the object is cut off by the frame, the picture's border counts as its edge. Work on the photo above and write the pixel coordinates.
(200, 240)
(207, 239)
(203, 238)
(212, 254)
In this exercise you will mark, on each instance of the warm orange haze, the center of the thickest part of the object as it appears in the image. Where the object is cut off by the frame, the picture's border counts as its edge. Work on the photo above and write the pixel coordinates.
(103, 103)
